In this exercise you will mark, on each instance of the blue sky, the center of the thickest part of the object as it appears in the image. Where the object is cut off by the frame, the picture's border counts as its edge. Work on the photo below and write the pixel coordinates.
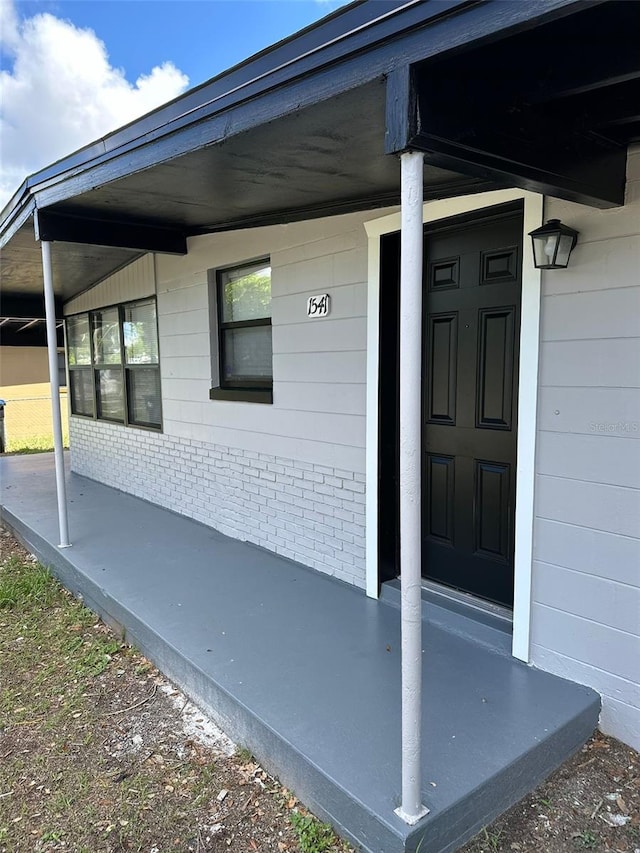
(71, 72)
(201, 37)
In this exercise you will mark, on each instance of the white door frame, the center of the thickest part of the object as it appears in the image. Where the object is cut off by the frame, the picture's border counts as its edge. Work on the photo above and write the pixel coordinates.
(527, 392)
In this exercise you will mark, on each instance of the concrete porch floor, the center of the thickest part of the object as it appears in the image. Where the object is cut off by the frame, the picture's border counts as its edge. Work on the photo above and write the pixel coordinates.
(304, 670)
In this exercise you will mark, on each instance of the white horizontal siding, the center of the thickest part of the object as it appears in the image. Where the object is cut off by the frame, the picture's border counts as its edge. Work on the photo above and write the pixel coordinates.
(185, 345)
(606, 555)
(609, 313)
(597, 261)
(621, 696)
(289, 423)
(135, 281)
(349, 300)
(590, 411)
(610, 509)
(184, 367)
(319, 387)
(339, 397)
(588, 642)
(588, 596)
(323, 367)
(600, 363)
(605, 459)
(586, 575)
(184, 323)
(311, 336)
(325, 452)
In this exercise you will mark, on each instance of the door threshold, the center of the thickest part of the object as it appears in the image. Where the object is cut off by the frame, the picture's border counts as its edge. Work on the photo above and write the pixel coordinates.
(461, 614)
(487, 612)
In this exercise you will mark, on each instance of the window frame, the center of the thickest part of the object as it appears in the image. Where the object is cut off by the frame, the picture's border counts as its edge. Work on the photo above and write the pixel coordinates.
(254, 390)
(86, 368)
(99, 367)
(94, 368)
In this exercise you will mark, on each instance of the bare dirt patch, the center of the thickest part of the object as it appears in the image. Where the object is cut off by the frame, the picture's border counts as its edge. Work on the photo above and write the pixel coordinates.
(99, 753)
(591, 803)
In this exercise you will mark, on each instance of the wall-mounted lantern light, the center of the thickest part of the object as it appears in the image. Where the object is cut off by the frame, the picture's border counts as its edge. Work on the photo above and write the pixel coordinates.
(553, 243)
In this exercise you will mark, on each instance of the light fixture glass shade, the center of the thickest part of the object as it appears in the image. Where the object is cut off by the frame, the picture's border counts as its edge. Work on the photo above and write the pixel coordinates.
(553, 243)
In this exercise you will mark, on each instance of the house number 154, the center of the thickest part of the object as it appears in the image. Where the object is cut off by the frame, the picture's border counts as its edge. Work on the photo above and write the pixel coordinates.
(318, 306)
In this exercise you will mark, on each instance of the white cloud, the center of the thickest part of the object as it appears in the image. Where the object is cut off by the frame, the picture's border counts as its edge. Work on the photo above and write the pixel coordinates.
(63, 93)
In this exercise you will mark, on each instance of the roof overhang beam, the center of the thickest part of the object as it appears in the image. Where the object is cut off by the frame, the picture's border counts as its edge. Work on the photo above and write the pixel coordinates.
(52, 227)
(514, 144)
(25, 305)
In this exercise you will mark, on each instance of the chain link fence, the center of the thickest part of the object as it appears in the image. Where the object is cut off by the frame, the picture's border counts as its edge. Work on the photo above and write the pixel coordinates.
(28, 423)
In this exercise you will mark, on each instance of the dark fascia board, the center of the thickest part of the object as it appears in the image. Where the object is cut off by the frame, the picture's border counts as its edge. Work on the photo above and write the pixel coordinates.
(17, 216)
(26, 305)
(59, 227)
(404, 34)
(36, 336)
(486, 164)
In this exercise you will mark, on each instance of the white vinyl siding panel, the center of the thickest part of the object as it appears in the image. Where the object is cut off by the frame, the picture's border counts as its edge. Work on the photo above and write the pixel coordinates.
(590, 411)
(619, 713)
(606, 459)
(595, 552)
(600, 363)
(319, 366)
(135, 281)
(588, 596)
(589, 642)
(586, 578)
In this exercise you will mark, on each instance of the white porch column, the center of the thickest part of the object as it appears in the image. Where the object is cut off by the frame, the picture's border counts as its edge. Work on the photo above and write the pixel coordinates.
(52, 347)
(411, 237)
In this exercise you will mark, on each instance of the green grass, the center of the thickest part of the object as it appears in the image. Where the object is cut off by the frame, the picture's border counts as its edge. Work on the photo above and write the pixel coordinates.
(25, 584)
(587, 840)
(34, 444)
(48, 616)
(71, 695)
(243, 755)
(313, 836)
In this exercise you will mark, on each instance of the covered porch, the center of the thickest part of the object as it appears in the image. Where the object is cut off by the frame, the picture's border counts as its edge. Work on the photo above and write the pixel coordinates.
(304, 670)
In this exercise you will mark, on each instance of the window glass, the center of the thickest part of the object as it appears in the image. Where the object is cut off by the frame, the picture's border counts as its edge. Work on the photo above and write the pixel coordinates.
(247, 353)
(106, 388)
(140, 333)
(144, 396)
(110, 394)
(106, 337)
(81, 387)
(246, 293)
(79, 340)
(62, 370)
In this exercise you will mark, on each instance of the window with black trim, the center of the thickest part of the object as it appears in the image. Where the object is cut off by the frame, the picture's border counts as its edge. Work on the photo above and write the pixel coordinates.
(245, 359)
(114, 369)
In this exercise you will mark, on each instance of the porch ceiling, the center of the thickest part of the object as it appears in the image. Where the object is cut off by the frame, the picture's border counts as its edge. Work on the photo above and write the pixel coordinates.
(320, 160)
(300, 130)
(75, 267)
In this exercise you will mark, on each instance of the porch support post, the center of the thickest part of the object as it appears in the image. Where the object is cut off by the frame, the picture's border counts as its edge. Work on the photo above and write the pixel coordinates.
(52, 348)
(411, 236)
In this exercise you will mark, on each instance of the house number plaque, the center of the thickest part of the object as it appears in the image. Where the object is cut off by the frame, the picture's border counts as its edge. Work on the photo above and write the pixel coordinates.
(318, 306)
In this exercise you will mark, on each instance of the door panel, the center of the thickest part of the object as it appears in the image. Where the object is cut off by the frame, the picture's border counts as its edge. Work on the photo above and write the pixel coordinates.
(492, 514)
(440, 487)
(472, 286)
(495, 367)
(442, 368)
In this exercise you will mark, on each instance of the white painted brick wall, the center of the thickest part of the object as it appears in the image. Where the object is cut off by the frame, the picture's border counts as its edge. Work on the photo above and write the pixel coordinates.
(310, 513)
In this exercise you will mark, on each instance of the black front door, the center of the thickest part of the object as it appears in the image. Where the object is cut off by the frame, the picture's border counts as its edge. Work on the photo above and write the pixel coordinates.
(472, 287)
